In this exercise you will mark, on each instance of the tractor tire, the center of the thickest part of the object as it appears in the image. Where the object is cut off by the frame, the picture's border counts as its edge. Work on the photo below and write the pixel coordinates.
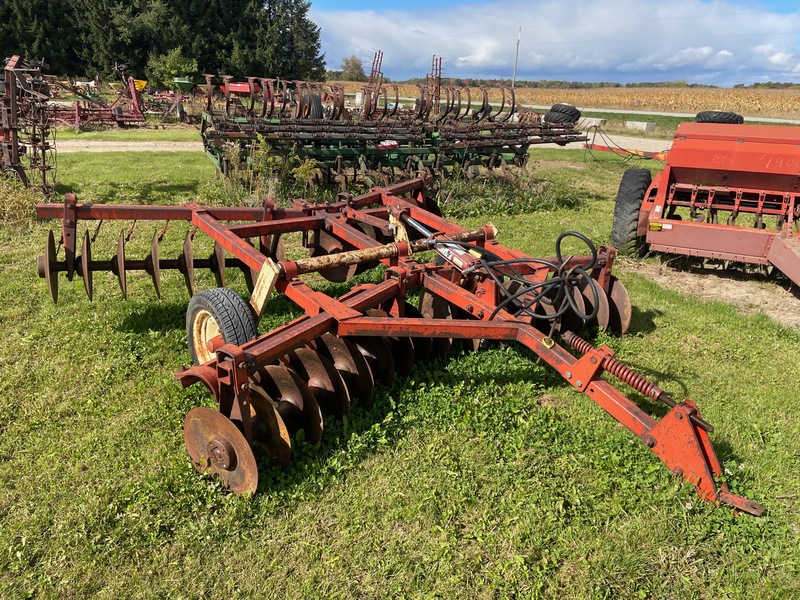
(630, 196)
(719, 116)
(218, 311)
(314, 104)
(558, 118)
(572, 113)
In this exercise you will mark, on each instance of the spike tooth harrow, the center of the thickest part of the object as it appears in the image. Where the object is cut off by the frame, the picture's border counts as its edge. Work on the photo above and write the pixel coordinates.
(268, 387)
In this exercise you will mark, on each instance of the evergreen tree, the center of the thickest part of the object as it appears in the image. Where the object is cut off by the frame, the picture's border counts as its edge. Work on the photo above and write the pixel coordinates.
(272, 38)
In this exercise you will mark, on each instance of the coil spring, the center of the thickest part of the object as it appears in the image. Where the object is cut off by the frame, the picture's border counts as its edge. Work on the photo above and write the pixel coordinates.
(616, 368)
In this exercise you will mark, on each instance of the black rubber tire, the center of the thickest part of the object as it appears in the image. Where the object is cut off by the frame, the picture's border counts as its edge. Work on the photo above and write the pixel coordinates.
(234, 317)
(630, 195)
(719, 116)
(566, 109)
(558, 118)
(314, 103)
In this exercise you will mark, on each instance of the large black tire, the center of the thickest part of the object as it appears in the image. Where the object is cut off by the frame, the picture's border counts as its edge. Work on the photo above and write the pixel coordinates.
(571, 114)
(630, 195)
(218, 311)
(719, 116)
(314, 104)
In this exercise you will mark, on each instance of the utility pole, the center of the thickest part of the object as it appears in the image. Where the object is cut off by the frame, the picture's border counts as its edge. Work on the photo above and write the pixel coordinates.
(516, 57)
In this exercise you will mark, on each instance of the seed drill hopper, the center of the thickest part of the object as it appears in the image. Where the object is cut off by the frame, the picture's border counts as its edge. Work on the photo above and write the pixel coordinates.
(441, 286)
(728, 193)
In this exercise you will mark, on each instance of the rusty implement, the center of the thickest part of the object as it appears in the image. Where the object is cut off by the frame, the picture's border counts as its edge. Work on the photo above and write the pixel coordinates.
(443, 286)
(728, 194)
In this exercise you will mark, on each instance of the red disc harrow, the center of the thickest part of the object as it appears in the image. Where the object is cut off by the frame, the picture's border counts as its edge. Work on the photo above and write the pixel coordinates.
(472, 288)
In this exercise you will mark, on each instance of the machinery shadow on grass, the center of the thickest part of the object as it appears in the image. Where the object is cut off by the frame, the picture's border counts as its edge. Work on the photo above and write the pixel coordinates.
(140, 192)
(643, 321)
(161, 316)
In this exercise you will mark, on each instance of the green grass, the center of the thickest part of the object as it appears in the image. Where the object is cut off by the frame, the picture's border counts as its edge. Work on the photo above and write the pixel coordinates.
(171, 133)
(480, 476)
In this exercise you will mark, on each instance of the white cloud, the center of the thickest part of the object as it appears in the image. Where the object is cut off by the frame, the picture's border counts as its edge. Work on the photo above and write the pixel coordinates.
(721, 42)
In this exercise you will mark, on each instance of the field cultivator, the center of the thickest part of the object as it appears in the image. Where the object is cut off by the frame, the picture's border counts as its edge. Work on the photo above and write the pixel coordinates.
(465, 289)
(26, 143)
(728, 195)
(442, 129)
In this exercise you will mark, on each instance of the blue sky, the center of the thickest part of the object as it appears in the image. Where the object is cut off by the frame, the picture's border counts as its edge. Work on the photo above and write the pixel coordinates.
(720, 42)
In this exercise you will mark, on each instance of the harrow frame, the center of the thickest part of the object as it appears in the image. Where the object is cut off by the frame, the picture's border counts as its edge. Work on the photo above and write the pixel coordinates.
(464, 295)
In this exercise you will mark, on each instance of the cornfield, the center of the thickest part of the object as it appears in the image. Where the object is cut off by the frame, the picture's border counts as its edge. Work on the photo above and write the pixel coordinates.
(749, 102)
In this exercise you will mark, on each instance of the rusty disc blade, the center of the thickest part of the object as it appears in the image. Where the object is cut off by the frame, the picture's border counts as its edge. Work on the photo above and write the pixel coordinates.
(467, 344)
(269, 430)
(85, 265)
(295, 403)
(186, 262)
(432, 306)
(218, 265)
(589, 299)
(153, 266)
(379, 357)
(330, 245)
(423, 346)
(569, 320)
(401, 347)
(49, 261)
(118, 265)
(376, 234)
(217, 447)
(620, 309)
(351, 365)
(322, 379)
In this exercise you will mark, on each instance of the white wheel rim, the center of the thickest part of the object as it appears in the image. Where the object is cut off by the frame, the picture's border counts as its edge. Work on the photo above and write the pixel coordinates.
(204, 329)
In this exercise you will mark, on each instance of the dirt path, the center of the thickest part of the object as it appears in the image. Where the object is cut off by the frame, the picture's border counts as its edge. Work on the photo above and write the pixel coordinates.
(113, 146)
(748, 294)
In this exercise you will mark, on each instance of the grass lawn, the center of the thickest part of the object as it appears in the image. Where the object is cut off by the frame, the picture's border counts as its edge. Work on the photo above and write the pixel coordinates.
(479, 476)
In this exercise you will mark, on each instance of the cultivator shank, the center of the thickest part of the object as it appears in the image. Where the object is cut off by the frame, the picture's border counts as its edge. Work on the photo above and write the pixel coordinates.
(466, 289)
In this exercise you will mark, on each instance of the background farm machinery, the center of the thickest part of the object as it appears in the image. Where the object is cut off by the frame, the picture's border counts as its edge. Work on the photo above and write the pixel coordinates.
(443, 128)
(728, 195)
(26, 143)
(441, 286)
(126, 109)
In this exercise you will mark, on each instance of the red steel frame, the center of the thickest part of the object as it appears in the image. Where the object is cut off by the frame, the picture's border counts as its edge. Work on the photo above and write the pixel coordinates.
(736, 171)
(680, 438)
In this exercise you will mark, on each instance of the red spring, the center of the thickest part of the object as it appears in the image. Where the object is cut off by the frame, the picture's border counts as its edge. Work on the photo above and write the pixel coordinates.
(616, 368)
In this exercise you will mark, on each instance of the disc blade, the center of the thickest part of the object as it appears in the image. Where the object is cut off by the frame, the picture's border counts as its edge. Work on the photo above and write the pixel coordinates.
(270, 431)
(423, 346)
(85, 265)
(330, 245)
(218, 448)
(295, 402)
(432, 306)
(401, 347)
(153, 265)
(119, 265)
(620, 309)
(571, 321)
(322, 379)
(602, 302)
(187, 260)
(218, 265)
(379, 358)
(351, 365)
(49, 261)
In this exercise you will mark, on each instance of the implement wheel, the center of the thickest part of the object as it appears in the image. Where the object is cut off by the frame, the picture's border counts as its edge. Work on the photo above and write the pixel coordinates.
(719, 116)
(217, 317)
(630, 196)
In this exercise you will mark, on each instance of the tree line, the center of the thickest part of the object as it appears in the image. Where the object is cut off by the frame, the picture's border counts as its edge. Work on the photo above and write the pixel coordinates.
(160, 39)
